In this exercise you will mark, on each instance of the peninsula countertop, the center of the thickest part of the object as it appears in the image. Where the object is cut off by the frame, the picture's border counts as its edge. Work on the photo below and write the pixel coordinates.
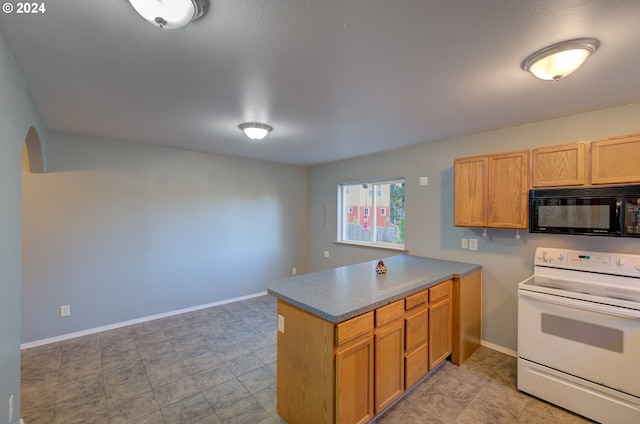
(342, 293)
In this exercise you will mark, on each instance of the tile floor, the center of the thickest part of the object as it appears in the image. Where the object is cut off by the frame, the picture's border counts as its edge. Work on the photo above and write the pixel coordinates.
(217, 365)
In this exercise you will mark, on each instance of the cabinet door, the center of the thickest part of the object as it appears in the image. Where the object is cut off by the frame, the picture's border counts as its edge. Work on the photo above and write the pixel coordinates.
(470, 191)
(416, 363)
(389, 365)
(416, 329)
(440, 327)
(508, 190)
(616, 161)
(557, 166)
(354, 382)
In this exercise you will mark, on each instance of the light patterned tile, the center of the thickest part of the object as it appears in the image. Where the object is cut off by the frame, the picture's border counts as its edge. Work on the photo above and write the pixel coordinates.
(405, 412)
(189, 410)
(268, 399)
(258, 379)
(243, 364)
(246, 411)
(226, 393)
(123, 373)
(124, 411)
(268, 354)
(201, 362)
(175, 392)
(197, 371)
(80, 387)
(214, 376)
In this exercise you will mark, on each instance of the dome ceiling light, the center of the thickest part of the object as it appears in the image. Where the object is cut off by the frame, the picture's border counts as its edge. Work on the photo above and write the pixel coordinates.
(255, 130)
(170, 14)
(559, 60)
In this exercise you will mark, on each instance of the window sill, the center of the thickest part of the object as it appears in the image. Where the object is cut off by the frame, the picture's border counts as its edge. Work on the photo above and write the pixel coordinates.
(374, 246)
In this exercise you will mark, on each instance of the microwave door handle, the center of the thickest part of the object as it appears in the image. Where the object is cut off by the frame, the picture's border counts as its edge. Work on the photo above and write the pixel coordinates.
(581, 304)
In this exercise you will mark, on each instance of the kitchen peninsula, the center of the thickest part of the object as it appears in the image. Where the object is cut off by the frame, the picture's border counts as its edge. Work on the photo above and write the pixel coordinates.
(351, 342)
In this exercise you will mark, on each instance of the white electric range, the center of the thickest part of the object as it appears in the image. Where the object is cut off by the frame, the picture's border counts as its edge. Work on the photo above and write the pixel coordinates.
(579, 333)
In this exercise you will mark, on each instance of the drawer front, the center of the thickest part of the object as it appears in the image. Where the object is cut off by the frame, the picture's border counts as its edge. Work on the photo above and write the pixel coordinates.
(416, 300)
(439, 291)
(416, 365)
(354, 328)
(416, 330)
(389, 313)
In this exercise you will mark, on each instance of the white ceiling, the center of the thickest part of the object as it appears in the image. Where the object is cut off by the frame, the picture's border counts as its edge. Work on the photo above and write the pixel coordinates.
(335, 78)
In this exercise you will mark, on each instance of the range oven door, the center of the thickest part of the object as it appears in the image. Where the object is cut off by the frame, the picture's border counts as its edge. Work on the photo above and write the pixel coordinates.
(592, 341)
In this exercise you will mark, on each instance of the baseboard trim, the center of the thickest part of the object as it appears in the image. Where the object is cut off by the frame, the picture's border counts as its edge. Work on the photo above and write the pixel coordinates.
(499, 348)
(87, 332)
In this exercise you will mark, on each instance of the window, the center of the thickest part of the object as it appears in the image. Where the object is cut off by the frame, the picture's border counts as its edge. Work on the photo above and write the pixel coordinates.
(372, 212)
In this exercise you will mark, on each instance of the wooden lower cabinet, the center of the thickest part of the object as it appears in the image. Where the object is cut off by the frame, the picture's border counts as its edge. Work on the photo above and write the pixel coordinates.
(347, 373)
(389, 364)
(440, 323)
(467, 316)
(416, 362)
(354, 382)
(439, 332)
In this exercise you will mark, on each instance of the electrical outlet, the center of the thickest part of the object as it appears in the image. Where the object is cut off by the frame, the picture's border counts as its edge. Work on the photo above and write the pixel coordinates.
(294, 271)
(464, 243)
(65, 311)
(424, 181)
(280, 323)
(473, 244)
(326, 253)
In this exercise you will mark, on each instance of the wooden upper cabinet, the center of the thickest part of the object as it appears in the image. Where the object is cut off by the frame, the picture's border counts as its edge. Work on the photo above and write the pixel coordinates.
(558, 166)
(616, 160)
(470, 191)
(492, 191)
(508, 190)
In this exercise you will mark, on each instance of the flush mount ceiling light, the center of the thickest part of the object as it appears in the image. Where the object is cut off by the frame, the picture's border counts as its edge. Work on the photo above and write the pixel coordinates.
(169, 14)
(255, 130)
(561, 59)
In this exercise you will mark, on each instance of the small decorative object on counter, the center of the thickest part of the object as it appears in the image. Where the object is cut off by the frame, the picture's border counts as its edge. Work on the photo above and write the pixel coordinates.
(381, 268)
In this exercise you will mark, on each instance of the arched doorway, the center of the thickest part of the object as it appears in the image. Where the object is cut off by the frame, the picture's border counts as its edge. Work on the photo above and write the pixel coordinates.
(32, 154)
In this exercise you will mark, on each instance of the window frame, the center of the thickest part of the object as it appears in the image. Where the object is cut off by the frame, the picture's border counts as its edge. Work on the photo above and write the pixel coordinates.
(343, 190)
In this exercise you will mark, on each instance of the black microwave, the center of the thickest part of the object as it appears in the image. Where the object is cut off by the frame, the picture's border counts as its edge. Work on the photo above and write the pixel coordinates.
(593, 211)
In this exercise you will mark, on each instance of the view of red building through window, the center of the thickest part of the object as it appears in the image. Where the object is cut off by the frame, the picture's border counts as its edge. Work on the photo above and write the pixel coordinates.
(373, 212)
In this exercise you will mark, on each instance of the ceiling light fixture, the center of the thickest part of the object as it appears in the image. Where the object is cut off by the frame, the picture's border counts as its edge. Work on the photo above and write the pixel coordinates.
(169, 14)
(561, 59)
(255, 130)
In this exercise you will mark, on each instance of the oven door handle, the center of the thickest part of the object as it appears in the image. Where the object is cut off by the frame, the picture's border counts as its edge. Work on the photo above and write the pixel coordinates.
(581, 304)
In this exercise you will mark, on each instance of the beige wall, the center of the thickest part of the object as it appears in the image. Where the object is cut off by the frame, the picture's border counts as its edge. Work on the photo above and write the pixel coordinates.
(429, 210)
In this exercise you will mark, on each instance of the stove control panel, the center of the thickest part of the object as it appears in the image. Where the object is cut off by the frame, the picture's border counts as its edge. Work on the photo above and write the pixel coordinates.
(604, 262)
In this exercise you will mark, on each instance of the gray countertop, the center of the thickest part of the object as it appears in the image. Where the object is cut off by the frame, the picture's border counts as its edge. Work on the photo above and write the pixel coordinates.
(342, 293)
